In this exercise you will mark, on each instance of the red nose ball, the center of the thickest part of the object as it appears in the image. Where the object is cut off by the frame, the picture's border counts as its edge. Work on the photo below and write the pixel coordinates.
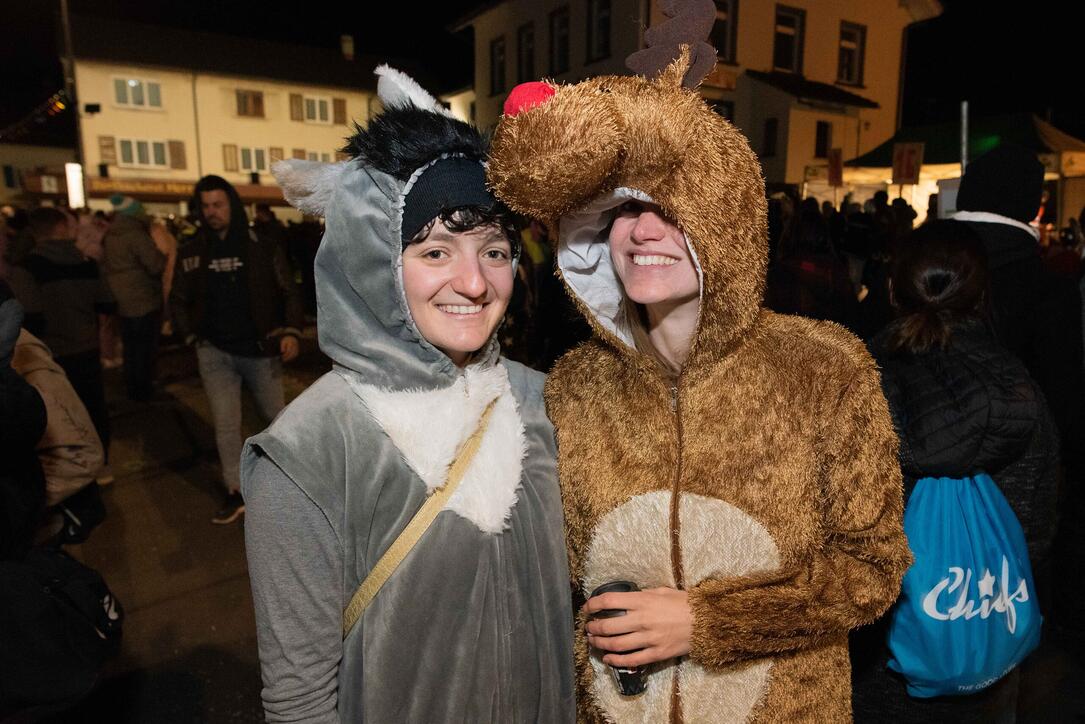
(526, 96)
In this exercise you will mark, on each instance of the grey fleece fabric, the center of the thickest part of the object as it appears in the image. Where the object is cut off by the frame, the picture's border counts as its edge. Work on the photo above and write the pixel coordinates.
(473, 626)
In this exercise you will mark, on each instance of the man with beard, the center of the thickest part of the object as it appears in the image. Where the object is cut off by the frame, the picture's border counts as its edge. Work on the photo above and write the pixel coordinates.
(234, 298)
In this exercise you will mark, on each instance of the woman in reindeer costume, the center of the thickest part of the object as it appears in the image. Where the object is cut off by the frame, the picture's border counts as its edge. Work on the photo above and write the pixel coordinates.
(739, 466)
(403, 520)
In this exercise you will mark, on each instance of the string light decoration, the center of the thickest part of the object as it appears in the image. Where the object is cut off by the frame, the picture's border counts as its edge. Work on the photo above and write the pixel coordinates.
(56, 104)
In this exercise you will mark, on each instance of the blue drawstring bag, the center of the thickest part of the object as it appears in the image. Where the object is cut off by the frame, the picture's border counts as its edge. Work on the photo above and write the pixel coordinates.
(967, 613)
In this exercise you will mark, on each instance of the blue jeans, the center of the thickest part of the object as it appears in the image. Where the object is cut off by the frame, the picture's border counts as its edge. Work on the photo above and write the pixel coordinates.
(222, 374)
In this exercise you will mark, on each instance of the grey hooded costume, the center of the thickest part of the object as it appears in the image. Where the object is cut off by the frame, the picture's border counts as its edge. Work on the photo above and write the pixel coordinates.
(475, 624)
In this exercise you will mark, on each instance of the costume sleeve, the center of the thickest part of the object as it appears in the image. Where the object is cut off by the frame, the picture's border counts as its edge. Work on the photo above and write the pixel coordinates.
(850, 577)
(296, 570)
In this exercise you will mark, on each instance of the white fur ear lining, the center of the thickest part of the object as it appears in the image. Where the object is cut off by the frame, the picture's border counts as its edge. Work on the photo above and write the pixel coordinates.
(308, 185)
(397, 89)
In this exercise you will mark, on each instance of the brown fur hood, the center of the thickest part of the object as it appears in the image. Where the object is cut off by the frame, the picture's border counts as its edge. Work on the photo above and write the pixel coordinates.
(764, 481)
(573, 160)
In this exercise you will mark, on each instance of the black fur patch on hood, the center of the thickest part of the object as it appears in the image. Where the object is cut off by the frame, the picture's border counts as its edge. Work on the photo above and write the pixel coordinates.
(402, 139)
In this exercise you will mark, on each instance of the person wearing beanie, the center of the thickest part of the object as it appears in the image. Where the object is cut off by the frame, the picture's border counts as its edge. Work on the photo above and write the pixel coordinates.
(126, 205)
(1037, 316)
(472, 621)
(136, 260)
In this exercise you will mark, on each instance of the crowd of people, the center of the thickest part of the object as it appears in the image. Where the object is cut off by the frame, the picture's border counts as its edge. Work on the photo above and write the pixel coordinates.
(794, 345)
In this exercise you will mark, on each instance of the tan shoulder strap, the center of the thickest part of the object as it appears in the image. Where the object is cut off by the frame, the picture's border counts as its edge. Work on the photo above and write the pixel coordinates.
(419, 524)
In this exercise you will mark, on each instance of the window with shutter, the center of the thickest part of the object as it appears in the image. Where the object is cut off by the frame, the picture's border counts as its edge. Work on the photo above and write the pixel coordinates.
(177, 154)
(250, 103)
(297, 107)
(298, 153)
(107, 149)
(229, 156)
(275, 154)
(339, 111)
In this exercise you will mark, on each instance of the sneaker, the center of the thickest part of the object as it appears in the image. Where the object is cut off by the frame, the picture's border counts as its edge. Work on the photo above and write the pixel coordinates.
(231, 511)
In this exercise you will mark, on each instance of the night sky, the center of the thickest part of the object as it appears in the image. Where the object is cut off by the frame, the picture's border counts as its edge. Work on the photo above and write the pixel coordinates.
(1001, 61)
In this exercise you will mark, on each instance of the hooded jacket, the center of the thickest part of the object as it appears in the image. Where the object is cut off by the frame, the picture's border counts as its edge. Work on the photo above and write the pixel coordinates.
(474, 624)
(275, 304)
(764, 480)
(133, 266)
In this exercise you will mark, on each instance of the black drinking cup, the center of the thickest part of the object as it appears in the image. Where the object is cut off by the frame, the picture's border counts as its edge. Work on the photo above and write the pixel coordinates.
(631, 680)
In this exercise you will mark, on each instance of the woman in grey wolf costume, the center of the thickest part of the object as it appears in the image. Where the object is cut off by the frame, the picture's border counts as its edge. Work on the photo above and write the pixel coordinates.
(475, 623)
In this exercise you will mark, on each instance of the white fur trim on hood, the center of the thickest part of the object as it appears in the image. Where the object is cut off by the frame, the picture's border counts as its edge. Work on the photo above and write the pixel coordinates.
(584, 259)
(429, 427)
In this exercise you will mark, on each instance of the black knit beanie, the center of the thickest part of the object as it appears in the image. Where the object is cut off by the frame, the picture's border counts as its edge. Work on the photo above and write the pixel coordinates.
(1007, 181)
(449, 183)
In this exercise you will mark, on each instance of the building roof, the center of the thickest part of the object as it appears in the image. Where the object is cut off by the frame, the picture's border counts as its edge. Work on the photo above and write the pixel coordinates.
(96, 38)
(942, 141)
(811, 90)
(468, 18)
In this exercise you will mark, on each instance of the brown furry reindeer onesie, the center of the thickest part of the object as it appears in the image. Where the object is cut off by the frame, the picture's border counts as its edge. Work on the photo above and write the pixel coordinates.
(764, 480)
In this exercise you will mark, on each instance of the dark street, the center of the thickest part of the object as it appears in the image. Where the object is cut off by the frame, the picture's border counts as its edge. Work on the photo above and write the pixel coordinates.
(189, 651)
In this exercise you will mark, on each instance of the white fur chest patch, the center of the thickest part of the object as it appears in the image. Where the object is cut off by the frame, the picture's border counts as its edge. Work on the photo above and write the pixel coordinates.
(718, 540)
(428, 428)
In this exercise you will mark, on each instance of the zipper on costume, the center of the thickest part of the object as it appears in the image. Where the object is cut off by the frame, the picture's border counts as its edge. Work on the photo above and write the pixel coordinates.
(676, 528)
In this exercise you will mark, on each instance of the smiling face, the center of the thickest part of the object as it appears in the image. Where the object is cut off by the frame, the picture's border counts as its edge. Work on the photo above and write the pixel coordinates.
(458, 285)
(651, 257)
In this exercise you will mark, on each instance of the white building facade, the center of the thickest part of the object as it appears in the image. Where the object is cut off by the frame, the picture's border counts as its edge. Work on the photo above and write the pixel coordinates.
(150, 126)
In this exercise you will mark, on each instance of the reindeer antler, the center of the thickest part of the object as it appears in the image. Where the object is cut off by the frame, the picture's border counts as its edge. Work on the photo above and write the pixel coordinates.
(689, 23)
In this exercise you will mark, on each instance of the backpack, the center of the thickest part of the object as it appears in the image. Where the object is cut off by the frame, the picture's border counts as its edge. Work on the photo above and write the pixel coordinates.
(967, 613)
(59, 624)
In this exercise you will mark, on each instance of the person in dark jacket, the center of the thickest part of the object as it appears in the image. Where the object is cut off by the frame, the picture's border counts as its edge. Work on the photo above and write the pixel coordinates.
(63, 293)
(235, 299)
(22, 423)
(961, 404)
(135, 261)
(1036, 316)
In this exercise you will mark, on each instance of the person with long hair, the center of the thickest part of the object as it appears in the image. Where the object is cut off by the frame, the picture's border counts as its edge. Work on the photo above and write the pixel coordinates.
(736, 466)
(962, 405)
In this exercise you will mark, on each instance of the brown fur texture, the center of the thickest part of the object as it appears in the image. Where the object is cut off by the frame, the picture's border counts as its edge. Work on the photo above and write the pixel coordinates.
(781, 417)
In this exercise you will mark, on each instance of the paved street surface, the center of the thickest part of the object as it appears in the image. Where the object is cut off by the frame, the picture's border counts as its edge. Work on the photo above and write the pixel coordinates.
(189, 652)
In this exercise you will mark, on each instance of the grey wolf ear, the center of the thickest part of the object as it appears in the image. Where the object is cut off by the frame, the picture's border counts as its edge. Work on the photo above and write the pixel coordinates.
(396, 89)
(308, 185)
